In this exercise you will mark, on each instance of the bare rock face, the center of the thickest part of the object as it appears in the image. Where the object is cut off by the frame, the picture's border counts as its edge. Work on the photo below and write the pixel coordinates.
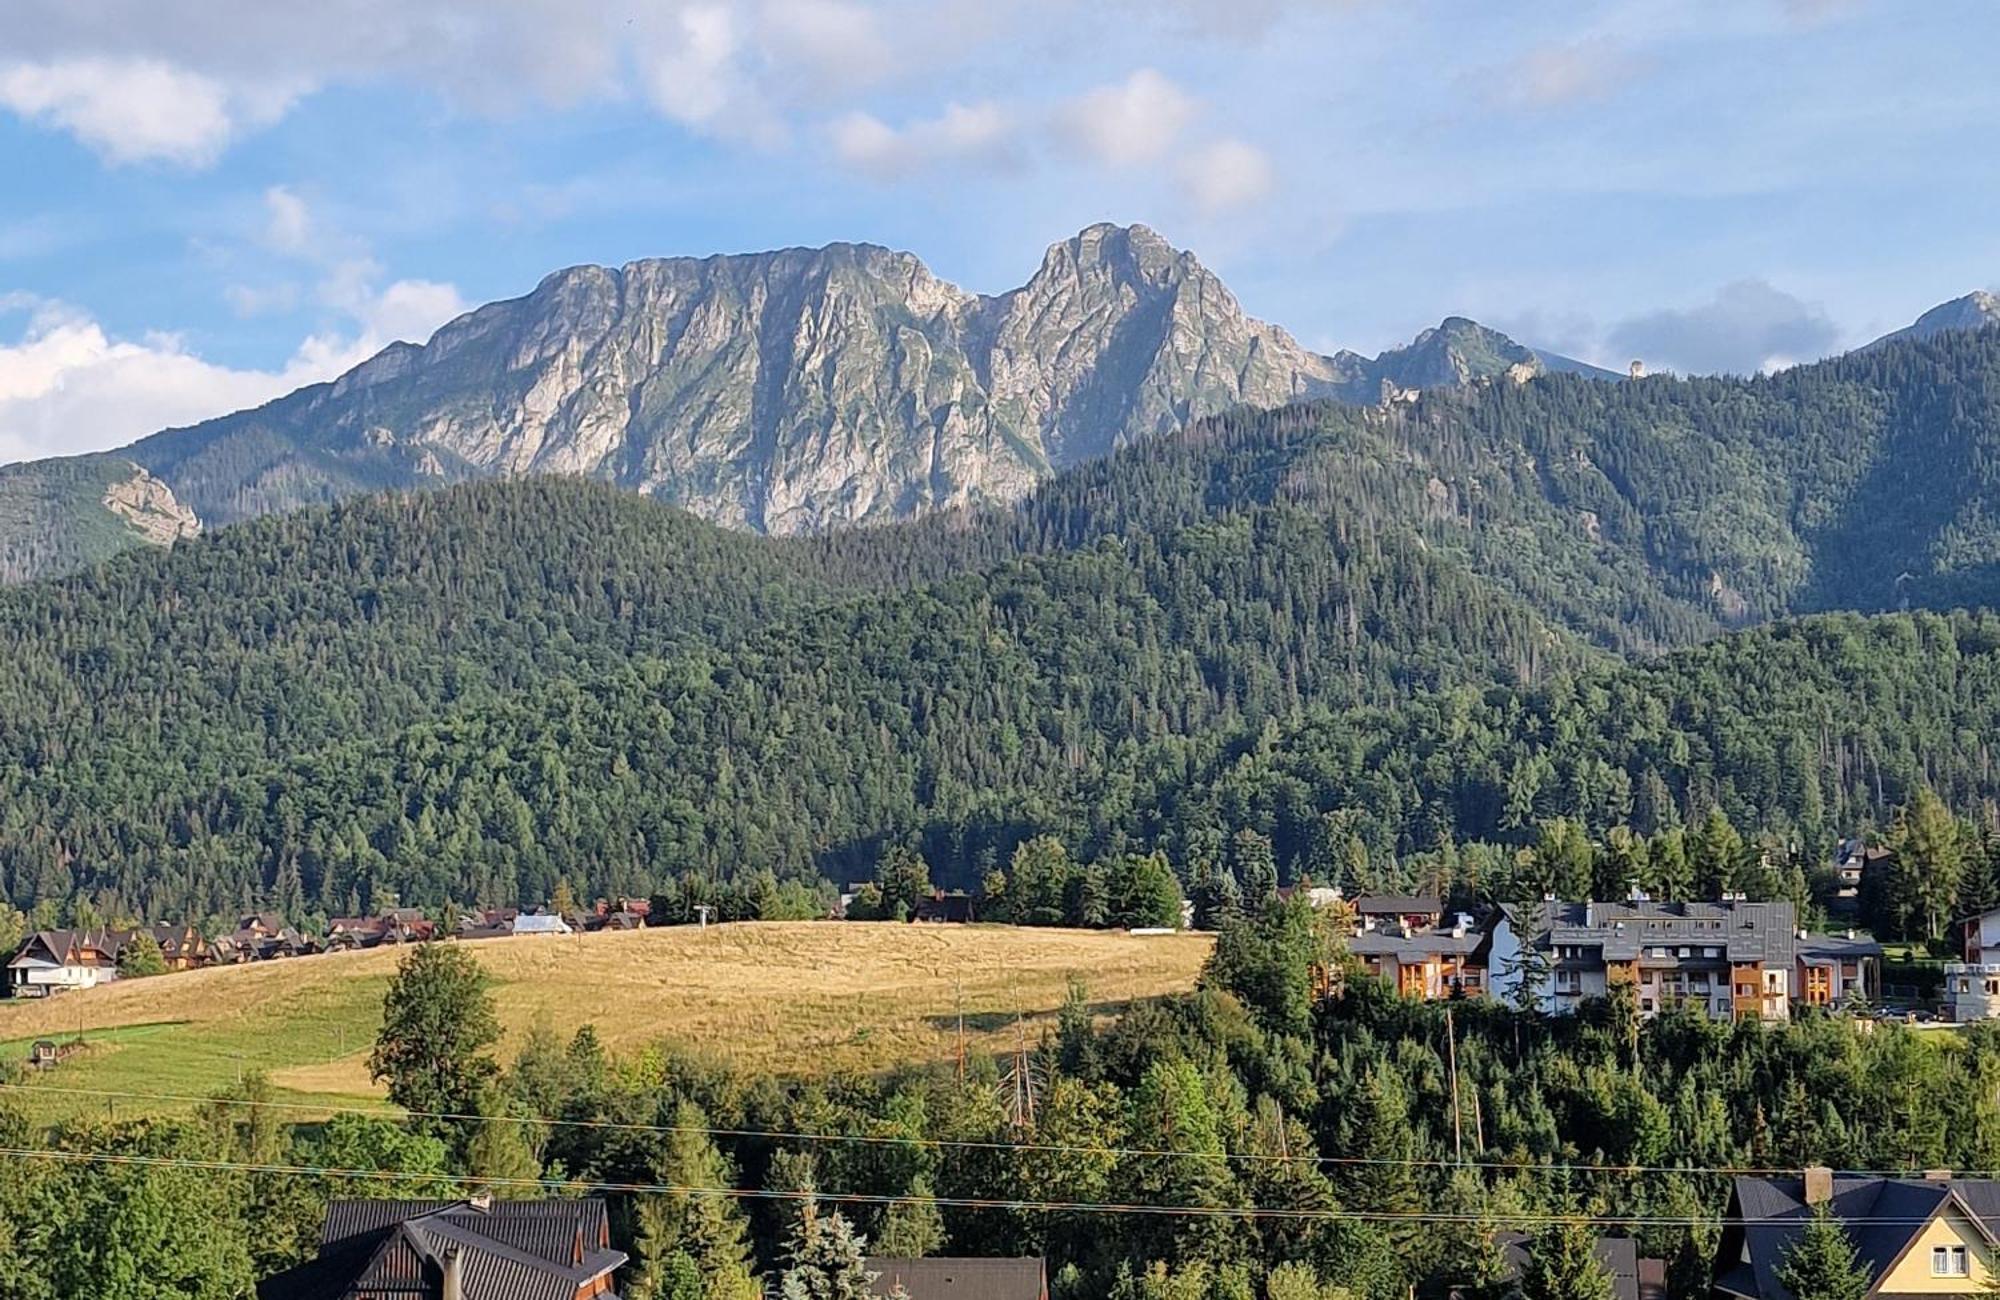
(782, 392)
(150, 507)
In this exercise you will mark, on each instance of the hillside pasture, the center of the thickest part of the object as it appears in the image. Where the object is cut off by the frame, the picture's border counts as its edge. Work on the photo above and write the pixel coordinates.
(795, 998)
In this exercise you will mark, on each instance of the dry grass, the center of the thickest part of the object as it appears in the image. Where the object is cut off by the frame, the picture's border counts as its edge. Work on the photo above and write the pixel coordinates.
(806, 997)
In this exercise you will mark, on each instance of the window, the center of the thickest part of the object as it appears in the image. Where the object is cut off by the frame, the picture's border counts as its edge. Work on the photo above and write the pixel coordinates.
(1948, 1261)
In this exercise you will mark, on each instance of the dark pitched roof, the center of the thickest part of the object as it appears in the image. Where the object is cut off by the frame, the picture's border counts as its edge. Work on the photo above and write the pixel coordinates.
(1883, 1216)
(1381, 943)
(945, 907)
(1743, 931)
(960, 1279)
(1395, 904)
(1832, 946)
(508, 1250)
(1619, 1255)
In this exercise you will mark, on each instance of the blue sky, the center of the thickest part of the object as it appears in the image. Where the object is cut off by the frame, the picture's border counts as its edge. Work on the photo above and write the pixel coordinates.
(212, 201)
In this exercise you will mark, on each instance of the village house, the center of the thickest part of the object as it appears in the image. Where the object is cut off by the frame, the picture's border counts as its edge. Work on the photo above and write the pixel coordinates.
(945, 908)
(1432, 962)
(947, 1278)
(260, 936)
(1929, 1236)
(1854, 862)
(1733, 959)
(1633, 1277)
(487, 923)
(1413, 912)
(481, 1249)
(398, 925)
(54, 961)
(1972, 986)
(618, 914)
(1316, 896)
(1835, 969)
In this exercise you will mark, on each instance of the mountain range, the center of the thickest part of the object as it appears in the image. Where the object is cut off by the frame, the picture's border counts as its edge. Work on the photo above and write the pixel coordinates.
(1367, 633)
(783, 392)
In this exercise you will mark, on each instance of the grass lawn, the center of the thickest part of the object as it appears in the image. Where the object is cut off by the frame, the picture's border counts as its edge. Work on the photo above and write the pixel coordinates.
(803, 997)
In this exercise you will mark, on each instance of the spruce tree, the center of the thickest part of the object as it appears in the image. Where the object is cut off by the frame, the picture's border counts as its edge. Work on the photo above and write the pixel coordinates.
(1823, 1264)
(824, 1260)
(698, 1218)
(1563, 1264)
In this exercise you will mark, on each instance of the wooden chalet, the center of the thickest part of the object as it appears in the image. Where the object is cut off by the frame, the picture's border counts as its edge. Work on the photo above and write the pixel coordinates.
(481, 1249)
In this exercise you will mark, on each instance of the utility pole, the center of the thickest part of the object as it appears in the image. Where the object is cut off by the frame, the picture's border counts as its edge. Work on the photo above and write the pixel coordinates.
(958, 990)
(1457, 1129)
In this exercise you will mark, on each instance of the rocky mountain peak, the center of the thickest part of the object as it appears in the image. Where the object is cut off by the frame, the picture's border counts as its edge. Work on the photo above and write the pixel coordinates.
(1976, 310)
(795, 390)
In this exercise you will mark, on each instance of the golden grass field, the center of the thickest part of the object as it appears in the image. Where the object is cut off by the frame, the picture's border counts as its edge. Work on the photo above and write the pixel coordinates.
(800, 997)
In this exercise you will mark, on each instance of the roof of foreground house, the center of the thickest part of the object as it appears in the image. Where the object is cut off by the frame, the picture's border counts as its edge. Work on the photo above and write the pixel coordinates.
(943, 1278)
(507, 1250)
(1618, 1255)
(1883, 1216)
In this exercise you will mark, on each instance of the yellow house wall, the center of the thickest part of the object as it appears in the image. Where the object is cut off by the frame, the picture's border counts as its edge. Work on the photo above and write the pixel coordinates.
(1913, 1274)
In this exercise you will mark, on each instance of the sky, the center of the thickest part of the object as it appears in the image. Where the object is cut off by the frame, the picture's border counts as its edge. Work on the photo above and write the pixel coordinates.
(211, 202)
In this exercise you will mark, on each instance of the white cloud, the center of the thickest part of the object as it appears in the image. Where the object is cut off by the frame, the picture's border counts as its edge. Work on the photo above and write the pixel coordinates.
(963, 133)
(128, 110)
(1562, 73)
(1227, 175)
(1129, 122)
(409, 310)
(69, 386)
(262, 300)
(835, 46)
(66, 386)
(288, 222)
(1748, 325)
(691, 81)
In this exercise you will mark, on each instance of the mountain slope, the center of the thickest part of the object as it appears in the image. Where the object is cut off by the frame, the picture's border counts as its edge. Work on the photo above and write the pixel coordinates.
(1976, 310)
(1385, 622)
(61, 514)
(785, 392)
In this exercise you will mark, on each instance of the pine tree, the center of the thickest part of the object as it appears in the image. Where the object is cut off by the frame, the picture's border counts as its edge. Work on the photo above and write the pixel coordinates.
(823, 1260)
(1563, 1264)
(1823, 1263)
(705, 1226)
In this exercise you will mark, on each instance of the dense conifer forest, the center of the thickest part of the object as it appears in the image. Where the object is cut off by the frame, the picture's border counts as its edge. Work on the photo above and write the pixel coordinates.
(1369, 636)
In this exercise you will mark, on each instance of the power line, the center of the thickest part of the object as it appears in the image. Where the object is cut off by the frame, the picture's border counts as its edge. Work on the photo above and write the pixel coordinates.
(566, 1186)
(883, 1139)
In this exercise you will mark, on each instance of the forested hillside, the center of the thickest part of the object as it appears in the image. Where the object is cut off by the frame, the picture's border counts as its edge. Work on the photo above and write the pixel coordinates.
(1364, 633)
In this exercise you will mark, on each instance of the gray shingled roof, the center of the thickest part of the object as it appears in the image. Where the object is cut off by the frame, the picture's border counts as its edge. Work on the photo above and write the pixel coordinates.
(1395, 904)
(1883, 1215)
(1745, 932)
(510, 1250)
(943, 1278)
(1828, 946)
(1382, 943)
(1618, 1255)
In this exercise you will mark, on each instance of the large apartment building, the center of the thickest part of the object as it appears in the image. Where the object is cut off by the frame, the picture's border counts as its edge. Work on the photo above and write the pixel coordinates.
(1733, 959)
